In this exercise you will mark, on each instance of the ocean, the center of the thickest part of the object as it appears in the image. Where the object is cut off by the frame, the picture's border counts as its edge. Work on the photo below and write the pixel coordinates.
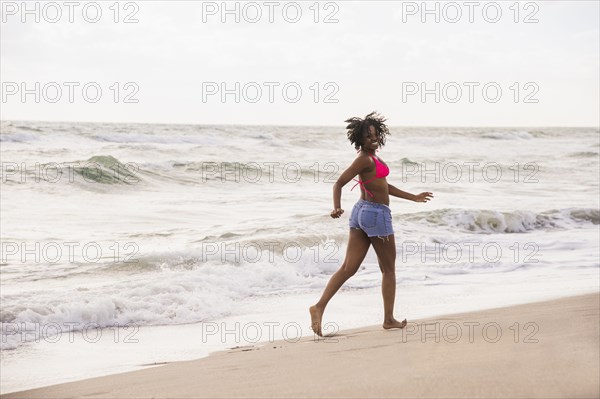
(161, 232)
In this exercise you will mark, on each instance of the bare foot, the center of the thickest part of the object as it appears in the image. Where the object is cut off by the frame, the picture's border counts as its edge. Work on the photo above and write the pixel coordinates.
(316, 314)
(394, 324)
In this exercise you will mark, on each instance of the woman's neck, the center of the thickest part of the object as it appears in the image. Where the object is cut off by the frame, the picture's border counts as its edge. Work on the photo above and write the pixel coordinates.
(369, 152)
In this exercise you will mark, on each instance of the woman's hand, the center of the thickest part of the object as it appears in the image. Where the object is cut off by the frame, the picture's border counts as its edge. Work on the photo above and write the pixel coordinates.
(336, 213)
(423, 197)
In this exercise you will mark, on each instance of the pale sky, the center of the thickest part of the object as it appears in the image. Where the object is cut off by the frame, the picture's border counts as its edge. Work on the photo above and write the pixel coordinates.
(369, 59)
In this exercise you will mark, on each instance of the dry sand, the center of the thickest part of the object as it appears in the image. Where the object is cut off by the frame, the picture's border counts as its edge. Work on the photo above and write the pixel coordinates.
(556, 355)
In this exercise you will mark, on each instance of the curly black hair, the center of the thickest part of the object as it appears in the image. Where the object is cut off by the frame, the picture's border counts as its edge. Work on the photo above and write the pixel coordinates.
(359, 128)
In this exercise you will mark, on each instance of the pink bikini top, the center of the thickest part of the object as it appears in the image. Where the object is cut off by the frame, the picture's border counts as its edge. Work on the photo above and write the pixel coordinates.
(381, 171)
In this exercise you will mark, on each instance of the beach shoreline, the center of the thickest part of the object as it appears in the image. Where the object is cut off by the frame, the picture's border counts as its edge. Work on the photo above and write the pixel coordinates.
(538, 349)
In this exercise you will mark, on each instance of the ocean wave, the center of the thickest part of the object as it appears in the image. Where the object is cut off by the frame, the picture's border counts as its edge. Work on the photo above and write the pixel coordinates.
(518, 135)
(584, 154)
(174, 288)
(28, 128)
(490, 221)
(14, 133)
(254, 171)
(106, 169)
(118, 137)
(17, 137)
(406, 161)
(103, 169)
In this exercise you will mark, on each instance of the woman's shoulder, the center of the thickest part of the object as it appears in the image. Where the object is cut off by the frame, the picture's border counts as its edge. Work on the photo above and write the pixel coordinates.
(364, 155)
(364, 159)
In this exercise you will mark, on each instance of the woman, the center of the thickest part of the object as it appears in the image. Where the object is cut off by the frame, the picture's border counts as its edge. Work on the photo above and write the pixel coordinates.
(371, 218)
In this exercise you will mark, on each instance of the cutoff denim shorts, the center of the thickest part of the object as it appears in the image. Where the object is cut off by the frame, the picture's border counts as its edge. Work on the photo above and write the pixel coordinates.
(372, 218)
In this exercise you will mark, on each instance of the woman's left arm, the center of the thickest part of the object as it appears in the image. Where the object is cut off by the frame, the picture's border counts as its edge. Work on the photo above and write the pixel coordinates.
(396, 192)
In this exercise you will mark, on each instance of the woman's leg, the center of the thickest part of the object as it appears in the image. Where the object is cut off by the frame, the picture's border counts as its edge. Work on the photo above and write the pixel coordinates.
(386, 255)
(358, 245)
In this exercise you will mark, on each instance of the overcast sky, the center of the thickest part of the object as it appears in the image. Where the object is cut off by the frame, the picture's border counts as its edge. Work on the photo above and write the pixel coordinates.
(375, 55)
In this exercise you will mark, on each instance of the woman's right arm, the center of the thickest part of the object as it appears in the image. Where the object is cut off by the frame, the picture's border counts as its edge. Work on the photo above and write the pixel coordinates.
(359, 164)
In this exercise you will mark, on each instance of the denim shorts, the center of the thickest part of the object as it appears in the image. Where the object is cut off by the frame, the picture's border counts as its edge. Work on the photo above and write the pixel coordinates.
(372, 218)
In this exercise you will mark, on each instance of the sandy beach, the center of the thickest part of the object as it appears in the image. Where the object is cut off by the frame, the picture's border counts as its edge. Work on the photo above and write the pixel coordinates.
(544, 349)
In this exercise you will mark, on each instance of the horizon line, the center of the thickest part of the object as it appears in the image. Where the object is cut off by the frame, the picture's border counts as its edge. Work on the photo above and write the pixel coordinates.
(295, 125)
